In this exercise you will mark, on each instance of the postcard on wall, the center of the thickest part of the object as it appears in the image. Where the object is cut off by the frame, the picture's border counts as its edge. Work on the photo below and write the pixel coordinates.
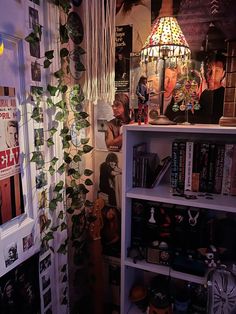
(11, 196)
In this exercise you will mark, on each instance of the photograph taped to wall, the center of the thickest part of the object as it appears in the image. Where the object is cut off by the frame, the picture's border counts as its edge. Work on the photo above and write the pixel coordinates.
(108, 177)
(28, 241)
(19, 289)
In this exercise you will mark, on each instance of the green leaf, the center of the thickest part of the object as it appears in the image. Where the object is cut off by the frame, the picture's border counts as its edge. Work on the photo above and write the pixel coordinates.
(81, 124)
(58, 74)
(54, 228)
(62, 249)
(63, 226)
(61, 104)
(84, 140)
(64, 52)
(36, 156)
(60, 116)
(59, 197)
(83, 115)
(88, 182)
(51, 170)
(71, 171)
(52, 131)
(73, 183)
(59, 186)
(36, 114)
(49, 54)
(53, 161)
(65, 144)
(79, 50)
(76, 158)
(88, 172)
(79, 66)
(61, 169)
(87, 148)
(76, 175)
(53, 204)
(61, 215)
(52, 90)
(50, 142)
(49, 236)
(32, 38)
(63, 88)
(46, 63)
(50, 103)
(64, 38)
(68, 160)
(64, 131)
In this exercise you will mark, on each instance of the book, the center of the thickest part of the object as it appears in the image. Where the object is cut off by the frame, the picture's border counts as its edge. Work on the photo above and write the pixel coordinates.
(196, 167)
(181, 166)
(204, 162)
(219, 168)
(137, 150)
(211, 168)
(188, 166)
(228, 162)
(174, 165)
(161, 170)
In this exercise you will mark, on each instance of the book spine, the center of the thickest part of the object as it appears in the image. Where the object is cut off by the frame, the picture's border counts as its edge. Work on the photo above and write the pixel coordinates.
(228, 162)
(233, 173)
(211, 168)
(188, 166)
(181, 172)
(174, 166)
(204, 161)
(220, 152)
(196, 167)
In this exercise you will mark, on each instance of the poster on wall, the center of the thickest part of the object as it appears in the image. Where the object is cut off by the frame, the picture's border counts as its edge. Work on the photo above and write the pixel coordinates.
(123, 48)
(19, 289)
(11, 196)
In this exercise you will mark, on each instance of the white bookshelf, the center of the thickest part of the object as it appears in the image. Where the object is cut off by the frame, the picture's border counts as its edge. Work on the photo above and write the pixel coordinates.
(159, 140)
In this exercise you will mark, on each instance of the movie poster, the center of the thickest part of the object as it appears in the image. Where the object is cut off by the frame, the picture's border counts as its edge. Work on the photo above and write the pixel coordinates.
(123, 49)
(19, 289)
(11, 197)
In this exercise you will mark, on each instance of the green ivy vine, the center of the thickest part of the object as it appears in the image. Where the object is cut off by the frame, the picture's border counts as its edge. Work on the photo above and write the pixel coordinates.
(72, 193)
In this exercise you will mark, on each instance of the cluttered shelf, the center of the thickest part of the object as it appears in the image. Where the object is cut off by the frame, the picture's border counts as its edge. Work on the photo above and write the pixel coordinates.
(162, 193)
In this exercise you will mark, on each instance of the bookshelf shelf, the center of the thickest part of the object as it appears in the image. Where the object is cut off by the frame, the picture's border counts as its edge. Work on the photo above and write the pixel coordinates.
(159, 140)
(163, 194)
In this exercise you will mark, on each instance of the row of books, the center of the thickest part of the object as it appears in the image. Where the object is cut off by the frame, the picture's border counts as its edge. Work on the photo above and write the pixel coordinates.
(203, 166)
(148, 169)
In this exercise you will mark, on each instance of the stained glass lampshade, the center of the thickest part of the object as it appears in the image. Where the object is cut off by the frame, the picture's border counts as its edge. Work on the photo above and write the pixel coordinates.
(166, 41)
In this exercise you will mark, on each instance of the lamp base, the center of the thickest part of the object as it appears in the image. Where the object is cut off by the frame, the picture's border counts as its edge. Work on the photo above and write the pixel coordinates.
(161, 120)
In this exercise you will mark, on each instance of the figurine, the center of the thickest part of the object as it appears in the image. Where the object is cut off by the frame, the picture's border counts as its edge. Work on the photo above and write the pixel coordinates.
(143, 96)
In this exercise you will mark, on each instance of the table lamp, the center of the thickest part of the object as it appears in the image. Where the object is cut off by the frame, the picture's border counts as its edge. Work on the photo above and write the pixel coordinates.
(166, 41)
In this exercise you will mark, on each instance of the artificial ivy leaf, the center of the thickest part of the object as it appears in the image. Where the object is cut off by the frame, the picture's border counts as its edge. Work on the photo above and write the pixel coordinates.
(68, 137)
(64, 131)
(38, 30)
(36, 156)
(36, 114)
(76, 158)
(50, 103)
(59, 197)
(64, 38)
(50, 142)
(87, 148)
(61, 169)
(49, 54)
(61, 215)
(52, 90)
(73, 183)
(71, 171)
(51, 170)
(83, 115)
(80, 50)
(79, 66)
(49, 236)
(64, 268)
(69, 190)
(46, 63)
(64, 279)
(54, 228)
(84, 140)
(88, 182)
(59, 186)
(63, 226)
(64, 52)
(62, 249)
(88, 172)
(64, 301)
(52, 131)
(61, 104)
(82, 188)
(59, 74)
(65, 144)
(53, 204)
(51, 248)
(53, 161)
(60, 116)
(32, 38)
(81, 124)
(63, 88)
(68, 160)
(76, 175)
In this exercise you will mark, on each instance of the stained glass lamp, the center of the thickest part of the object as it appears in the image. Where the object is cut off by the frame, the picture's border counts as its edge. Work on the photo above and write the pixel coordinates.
(166, 41)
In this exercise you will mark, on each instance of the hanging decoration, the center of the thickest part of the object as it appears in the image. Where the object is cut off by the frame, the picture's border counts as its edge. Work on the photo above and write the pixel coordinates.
(1, 45)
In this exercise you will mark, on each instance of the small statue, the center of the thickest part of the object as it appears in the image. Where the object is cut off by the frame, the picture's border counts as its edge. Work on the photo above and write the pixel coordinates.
(143, 97)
